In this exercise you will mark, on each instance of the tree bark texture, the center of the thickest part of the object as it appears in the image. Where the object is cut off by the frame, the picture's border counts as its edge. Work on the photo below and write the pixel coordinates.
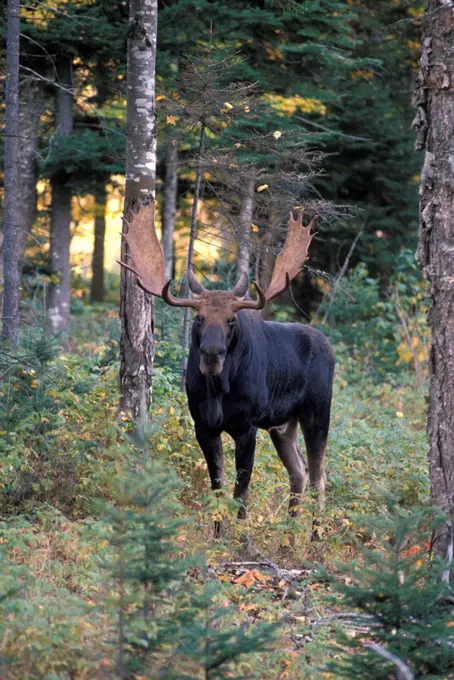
(32, 102)
(192, 237)
(11, 253)
(434, 122)
(136, 307)
(268, 255)
(97, 264)
(169, 208)
(244, 231)
(59, 296)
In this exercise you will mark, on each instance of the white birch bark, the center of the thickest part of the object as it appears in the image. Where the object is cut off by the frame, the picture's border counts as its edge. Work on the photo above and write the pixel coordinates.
(136, 307)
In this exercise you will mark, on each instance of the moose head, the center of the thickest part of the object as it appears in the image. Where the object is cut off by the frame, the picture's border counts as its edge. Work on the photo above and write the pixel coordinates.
(216, 310)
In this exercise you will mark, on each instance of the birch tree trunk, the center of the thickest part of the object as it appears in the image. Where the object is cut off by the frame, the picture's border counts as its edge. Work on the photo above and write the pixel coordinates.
(244, 232)
(59, 296)
(434, 123)
(169, 208)
(97, 263)
(11, 254)
(136, 307)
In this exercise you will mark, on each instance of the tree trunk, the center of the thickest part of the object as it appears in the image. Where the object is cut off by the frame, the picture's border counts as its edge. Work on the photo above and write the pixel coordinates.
(32, 103)
(169, 208)
(97, 264)
(136, 307)
(11, 244)
(244, 232)
(435, 125)
(59, 297)
(268, 256)
(192, 238)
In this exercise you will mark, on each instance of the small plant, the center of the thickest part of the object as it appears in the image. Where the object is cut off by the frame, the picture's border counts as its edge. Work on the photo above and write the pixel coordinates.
(402, 616)
(169, 624)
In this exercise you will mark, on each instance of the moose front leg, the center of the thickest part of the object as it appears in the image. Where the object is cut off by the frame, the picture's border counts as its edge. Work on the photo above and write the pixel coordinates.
(244, 461)
(211, 446)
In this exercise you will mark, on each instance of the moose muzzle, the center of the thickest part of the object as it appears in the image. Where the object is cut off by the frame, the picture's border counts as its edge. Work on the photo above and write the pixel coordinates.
(212, 350)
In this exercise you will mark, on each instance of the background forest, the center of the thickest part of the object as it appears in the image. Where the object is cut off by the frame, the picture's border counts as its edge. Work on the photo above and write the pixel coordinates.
(109, 566)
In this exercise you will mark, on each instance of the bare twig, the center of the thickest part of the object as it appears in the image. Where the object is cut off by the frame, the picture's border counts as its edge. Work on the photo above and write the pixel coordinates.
(341, 275)
(403, 672)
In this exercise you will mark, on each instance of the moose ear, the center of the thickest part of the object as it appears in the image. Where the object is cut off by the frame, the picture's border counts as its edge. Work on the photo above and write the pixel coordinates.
(242, 286)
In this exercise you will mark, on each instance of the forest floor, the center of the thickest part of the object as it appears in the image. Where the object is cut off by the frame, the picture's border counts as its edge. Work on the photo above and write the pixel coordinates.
(59, 624)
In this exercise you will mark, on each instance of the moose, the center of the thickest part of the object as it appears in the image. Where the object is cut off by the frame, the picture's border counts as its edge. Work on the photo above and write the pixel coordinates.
(246, 373)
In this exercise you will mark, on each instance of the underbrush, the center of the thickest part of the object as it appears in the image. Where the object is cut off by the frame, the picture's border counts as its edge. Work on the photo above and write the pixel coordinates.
(67, 599)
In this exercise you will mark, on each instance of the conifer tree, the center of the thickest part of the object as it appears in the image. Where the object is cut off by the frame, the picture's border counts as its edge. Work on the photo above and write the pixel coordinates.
(169, 622)
(404, 607)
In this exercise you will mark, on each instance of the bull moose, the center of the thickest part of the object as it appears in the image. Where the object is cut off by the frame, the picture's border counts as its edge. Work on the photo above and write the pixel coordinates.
(245, 373)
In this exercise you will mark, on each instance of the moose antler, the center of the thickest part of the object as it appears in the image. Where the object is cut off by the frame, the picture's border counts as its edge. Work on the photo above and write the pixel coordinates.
(292, 257)
(145, 250)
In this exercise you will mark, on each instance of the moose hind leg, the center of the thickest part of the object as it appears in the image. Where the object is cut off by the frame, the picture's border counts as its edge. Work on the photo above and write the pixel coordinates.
(244, 461)
(285, 440)
(315, 429)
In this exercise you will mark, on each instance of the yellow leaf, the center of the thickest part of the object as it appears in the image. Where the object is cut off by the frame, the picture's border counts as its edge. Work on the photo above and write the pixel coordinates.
(277, 134)
(254, 227)
(399, 414)
(160, 97)
(262, 187)
(172, 120)
(227, 106)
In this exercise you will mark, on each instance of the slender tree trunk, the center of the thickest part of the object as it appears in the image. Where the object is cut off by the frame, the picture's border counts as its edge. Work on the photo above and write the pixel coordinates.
(169, 208)
(269, 256)
(59, 296)
(11, 225)
(32, 102)
(136, 307)
(97, 264)
(435, 125)
(244, 232)
(192, 237)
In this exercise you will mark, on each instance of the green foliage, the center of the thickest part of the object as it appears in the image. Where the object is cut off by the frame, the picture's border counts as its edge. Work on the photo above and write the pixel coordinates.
(381, 332)
(81, 494)
(402, 600)
(169, 626)
(85, 158)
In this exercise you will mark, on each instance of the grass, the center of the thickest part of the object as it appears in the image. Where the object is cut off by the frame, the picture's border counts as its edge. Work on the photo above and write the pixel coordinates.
(61, 623)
